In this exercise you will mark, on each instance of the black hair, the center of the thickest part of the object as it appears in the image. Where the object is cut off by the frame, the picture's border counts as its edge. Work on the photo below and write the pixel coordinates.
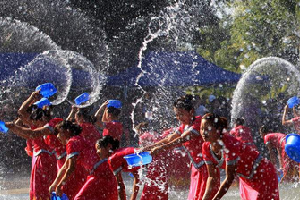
(68, 125)
(239, 121)
(85, 114)
(218, 122)
(38, 113)
(185, 102)
(108, 139)
(113, 111)
(264, 129)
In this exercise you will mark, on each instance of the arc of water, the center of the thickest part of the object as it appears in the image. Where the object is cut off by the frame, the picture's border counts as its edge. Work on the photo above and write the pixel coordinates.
(257, 65)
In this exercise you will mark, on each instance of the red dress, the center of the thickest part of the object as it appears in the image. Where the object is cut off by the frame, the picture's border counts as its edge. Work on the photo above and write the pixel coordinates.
(90, 133)
(55, 145)
(243, 134)
(257, 174)
(193, 148)
(114, 129)
(43, 170)
(101, 184)
(278, 141)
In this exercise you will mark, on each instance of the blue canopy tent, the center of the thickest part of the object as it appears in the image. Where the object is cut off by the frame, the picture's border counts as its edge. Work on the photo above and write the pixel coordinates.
(174, 69)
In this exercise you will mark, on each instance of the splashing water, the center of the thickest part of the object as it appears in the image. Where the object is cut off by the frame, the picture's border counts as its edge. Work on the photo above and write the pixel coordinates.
(268, 72)
(85, 79)
(17, 36)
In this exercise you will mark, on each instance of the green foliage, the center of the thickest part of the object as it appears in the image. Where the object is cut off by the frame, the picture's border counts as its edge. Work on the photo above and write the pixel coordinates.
(255, 29)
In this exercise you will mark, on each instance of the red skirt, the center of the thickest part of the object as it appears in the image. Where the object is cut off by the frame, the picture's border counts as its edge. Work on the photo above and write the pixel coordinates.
(198, 183)
(42, 176)
(263, 185)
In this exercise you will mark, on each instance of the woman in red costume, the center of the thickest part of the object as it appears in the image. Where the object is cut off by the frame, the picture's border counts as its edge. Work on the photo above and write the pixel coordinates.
(101, 183)
(187, 135)
(43, 161)
(277, 141)
(238, 159)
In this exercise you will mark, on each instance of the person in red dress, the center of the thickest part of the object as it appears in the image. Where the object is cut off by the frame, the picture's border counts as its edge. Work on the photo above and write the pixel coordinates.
(43, 161)
(295, 121)
(222, 150)
(242, 133)
(110, 122)
(119, 164)
(82, 117)
(277, 141)
(101, 183)
(187, 135)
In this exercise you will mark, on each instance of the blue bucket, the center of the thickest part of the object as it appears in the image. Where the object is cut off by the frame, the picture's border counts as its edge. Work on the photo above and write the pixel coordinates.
(292, 102)
(55, 197)
(114, 103)
(292, 147)
(82, 98)
(138, 159)
(3, 128)
(46, 89)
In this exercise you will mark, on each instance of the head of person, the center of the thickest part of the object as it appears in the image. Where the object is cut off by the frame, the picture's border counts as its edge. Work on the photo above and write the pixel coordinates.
(65, 130)
(83, 115)
(264, 130)
(213, 127)
(106, 145)
(40, 116)
(112, 110)
(239, 121)
(184, 109)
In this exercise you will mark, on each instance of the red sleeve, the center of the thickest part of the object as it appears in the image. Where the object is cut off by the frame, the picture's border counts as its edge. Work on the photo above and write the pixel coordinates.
(207, 157)
(28, 148)
(196, 126)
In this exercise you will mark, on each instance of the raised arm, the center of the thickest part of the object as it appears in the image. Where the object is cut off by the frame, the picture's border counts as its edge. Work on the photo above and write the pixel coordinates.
(99, 113)
(284, 121)
(22, 112)
(71, 116)
(28, 133)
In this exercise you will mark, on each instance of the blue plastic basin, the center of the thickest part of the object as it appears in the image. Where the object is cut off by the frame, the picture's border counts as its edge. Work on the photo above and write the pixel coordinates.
(292, 147)
(138, 159)
(292, 102)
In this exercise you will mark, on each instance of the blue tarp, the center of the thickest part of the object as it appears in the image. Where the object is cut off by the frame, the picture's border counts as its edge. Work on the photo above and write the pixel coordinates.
(174, 69)
(158, 69)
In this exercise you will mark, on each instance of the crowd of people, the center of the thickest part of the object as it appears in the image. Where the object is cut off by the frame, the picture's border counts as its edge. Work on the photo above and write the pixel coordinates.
(73, 157)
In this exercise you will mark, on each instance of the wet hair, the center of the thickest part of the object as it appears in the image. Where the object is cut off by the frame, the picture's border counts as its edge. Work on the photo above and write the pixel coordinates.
(264, 129)
(70, 126)
(113, 111)
(85, 114)
(185, 102)
(220, 123)
(39, 113)
(103, 142)
(239, 121)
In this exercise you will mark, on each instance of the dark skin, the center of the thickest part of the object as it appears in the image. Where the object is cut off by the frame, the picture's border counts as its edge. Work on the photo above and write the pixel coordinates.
(212, 135)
